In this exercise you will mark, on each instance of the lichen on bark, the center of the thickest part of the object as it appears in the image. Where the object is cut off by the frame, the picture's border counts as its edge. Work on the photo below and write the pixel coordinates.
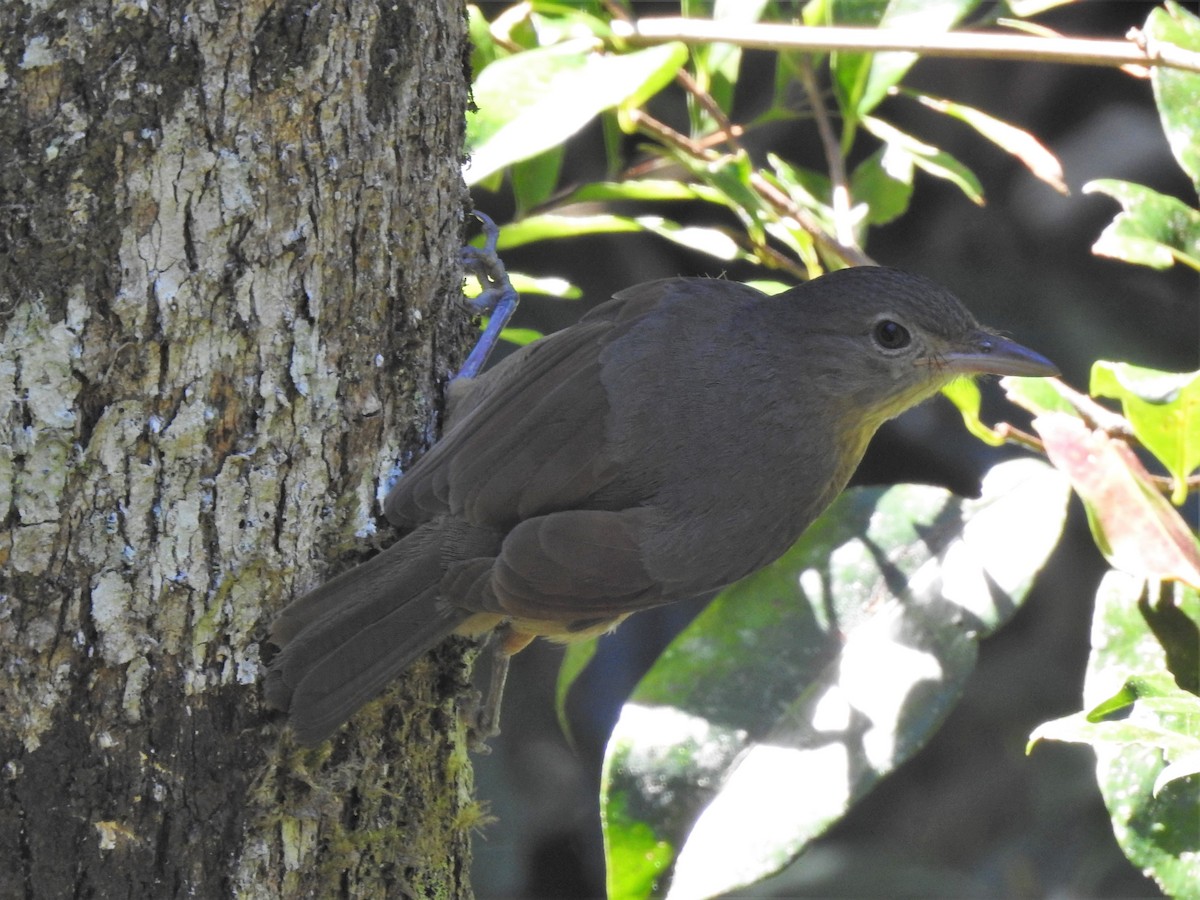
(228, 304)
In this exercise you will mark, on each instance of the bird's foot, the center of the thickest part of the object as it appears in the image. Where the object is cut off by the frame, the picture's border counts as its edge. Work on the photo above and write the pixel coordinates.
(498, 298)
(483, 717)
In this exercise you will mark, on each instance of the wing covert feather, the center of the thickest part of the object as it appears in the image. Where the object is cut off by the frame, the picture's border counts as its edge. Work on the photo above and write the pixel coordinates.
(529, 435)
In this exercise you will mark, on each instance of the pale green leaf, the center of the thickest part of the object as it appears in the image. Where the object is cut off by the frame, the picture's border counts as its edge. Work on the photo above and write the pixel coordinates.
(884, 182)
(926, 157)
(1037, 395)
(964, 394)
(1008, 137)
(657, 190)
(1152, 229)
(534, 100)
(1176, 90)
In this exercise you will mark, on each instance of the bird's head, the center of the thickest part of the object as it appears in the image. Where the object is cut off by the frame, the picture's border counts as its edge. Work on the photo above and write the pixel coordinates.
(882, 340)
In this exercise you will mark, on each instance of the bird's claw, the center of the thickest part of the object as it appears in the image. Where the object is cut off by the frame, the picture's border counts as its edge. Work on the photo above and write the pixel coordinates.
(498, 298)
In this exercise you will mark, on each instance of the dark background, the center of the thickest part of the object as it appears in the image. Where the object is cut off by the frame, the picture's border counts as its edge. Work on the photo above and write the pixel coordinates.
(970, 815)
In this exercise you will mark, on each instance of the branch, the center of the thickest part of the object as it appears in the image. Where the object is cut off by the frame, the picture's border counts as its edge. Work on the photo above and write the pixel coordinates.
(1137, 51)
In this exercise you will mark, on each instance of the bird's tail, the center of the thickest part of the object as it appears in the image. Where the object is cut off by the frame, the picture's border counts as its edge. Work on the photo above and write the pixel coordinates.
(342, 643)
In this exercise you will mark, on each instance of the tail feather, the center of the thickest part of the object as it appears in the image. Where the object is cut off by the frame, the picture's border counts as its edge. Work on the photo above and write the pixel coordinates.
(343, 642)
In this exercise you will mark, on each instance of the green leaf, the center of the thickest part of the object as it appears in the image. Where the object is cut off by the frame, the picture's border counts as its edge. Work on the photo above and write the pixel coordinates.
(551, 226)
(547, 287)
(801, 686)
(964, 394)
(926, 157)
(1142, 760)
(652, 189)
(534, 100)
(635, 861)
(884, 182)
(1028, 8)
(1151, 230)
(1008, 137)
(1186, 765)
(1175, 90)
(534, 179)
(806, 187)
(518, 336)
(575, 660)
(1164, 410)
(483, 47)
(768, 286)
(862, 80)
(1132, 523)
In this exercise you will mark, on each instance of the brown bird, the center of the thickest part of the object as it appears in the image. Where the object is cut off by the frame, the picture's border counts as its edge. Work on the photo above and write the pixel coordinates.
(678, 438)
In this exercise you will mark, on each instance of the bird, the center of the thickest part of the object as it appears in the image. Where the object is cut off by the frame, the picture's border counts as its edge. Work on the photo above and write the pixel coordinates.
(676, 439)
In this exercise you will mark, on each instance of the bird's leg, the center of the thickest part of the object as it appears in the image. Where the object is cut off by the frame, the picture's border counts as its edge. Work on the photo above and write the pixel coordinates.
(486, 724)
(498, 298)
(485, 721)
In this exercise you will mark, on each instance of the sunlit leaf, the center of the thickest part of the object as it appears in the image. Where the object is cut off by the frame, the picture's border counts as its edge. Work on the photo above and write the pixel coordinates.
(1008, 137)
(518, 336)
(1185, 766)
(884, 182)
(535, 100)
(546, 287)
(1026, 8)
(1151, 230)
(799, 688)
(1164, 409)
(767, 286)
(964, 394)
(642, 189)
(1037, 395)
(1135, 527)
(1176, 90)
(550, 226)
(926, 157)
(1144, 755)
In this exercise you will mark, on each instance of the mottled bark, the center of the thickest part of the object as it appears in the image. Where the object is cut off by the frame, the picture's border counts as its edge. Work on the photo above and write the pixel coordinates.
(228, 302)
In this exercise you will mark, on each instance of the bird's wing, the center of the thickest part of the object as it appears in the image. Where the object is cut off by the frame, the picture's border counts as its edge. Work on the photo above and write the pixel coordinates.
(573, 567)
(528, 436)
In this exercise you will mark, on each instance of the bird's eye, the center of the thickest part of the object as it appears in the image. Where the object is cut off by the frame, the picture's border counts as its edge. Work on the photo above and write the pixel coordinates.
(891, 335)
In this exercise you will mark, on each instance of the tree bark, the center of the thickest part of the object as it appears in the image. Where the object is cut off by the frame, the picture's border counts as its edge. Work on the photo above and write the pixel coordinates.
(229, 279)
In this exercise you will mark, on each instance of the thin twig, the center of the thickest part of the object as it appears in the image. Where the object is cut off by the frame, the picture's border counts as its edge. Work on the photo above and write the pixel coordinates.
(843, 226)
(1137, 51)
(1014, 435)
(670, 136)
(705, 99)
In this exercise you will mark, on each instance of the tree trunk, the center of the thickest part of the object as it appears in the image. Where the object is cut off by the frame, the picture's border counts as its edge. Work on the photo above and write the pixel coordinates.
(229, 239)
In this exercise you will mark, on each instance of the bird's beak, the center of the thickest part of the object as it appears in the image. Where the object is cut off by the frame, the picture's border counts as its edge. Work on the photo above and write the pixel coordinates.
(990, 354)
